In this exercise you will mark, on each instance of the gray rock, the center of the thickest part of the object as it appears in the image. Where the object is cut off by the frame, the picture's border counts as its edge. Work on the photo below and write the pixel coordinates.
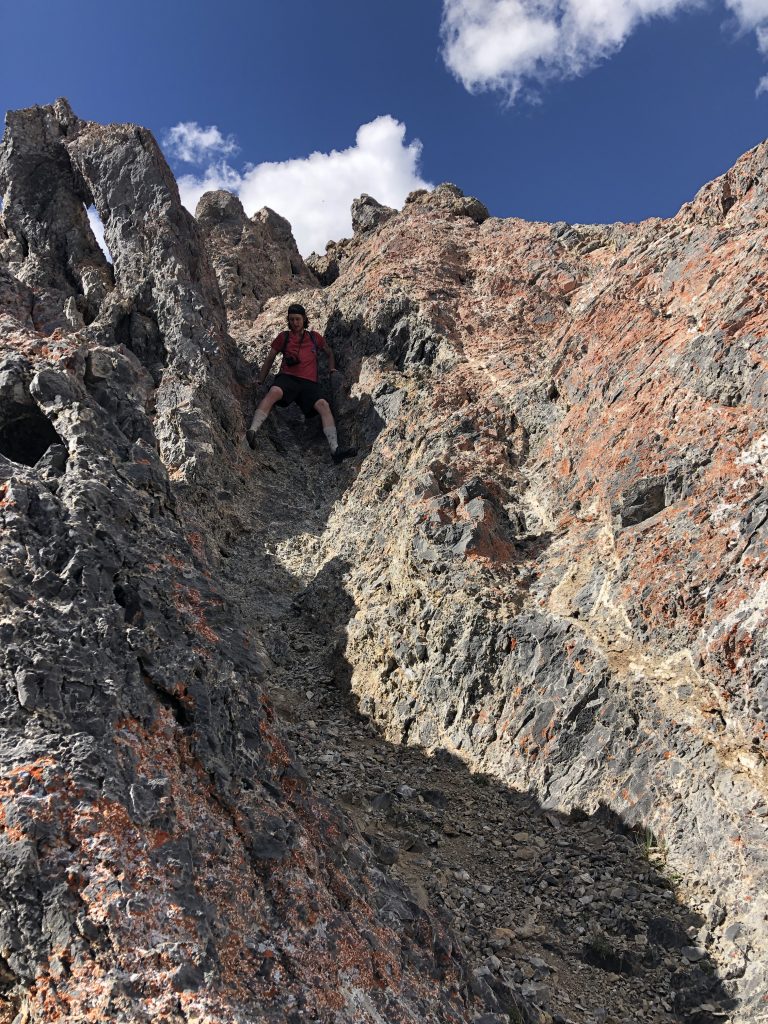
(530, 574)
(49, 245)
(450, 199)
(692, 954)
(254, 258)
(327, 267)
(152, 799)
(368, 214)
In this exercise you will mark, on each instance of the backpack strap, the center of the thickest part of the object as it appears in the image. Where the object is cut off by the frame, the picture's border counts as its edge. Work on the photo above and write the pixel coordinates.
(312, 338)
(287, 338)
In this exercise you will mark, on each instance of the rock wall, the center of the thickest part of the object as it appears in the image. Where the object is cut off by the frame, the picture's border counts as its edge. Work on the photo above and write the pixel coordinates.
(164, 855)
(556, 542)
(47, 241)
(254, 258)
(548, 560)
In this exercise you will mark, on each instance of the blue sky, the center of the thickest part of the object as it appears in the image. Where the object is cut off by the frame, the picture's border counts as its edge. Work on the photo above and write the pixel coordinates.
(590, 111)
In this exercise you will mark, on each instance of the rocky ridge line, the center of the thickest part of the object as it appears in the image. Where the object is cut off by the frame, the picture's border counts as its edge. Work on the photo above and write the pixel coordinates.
(499, 578)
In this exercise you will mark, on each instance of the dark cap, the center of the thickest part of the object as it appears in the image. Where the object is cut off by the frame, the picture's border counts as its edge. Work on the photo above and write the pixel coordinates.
(295, 307)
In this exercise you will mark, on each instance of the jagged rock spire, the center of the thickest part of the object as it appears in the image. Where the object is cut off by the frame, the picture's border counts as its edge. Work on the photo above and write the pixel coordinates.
(254, 258)
(49, 244)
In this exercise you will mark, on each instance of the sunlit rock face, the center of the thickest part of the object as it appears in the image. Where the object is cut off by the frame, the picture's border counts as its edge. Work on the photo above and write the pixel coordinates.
(548, 559)
(556, 543)
(47, 242)
(254, 258)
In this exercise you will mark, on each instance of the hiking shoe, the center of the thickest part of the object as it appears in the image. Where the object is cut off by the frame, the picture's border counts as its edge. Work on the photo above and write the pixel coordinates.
(250, 436)
(344, 453)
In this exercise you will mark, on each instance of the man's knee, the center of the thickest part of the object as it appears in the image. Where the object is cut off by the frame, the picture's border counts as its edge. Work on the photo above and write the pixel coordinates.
(322, 405)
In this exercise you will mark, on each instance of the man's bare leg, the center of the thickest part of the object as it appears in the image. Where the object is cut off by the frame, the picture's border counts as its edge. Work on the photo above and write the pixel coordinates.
(263, 410)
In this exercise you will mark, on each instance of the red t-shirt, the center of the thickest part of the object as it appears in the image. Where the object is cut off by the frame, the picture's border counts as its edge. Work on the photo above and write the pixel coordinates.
(302, 347)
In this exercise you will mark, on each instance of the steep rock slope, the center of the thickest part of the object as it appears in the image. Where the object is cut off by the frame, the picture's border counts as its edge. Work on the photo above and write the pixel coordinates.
(555, 546)
(164, 855)
(548, 561)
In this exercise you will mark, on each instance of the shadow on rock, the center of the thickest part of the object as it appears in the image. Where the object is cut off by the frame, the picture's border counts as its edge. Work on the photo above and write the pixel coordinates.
(571, 916)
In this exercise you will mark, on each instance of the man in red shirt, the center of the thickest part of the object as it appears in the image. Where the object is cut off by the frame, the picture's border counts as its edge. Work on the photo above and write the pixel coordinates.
(297, 379)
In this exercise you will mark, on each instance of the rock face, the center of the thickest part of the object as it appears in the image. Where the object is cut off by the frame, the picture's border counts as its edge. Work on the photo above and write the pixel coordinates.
(254, 258)
(556, 545)
(164, 855)
(368, 213)
(327, 267)
(451, 202)
(47, 241)
(548, 564)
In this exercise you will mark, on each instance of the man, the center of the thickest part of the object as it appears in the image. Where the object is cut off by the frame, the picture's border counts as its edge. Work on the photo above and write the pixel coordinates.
(297, 379)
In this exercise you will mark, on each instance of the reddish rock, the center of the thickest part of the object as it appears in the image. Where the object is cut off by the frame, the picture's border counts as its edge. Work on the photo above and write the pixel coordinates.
(565, 502)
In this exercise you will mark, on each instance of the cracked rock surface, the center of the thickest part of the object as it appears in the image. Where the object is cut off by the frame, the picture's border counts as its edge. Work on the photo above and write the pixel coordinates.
(470, 728)
(254, 258)
(553, 551)
(165, 857)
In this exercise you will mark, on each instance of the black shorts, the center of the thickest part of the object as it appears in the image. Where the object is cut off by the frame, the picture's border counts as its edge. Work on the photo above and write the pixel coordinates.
(295, 389)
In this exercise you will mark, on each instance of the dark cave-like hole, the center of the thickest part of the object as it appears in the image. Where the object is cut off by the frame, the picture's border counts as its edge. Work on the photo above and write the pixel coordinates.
(642, 503)
(130, 601)
(26, 434)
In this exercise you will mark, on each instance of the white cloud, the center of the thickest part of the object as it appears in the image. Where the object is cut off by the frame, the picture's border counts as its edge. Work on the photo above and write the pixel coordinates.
(315, 192)
(750, 13)
(189, 142)
(98, 229)
(515, 45)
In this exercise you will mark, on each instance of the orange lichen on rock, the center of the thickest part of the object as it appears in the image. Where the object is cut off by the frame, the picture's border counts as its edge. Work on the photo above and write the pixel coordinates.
(189, 601)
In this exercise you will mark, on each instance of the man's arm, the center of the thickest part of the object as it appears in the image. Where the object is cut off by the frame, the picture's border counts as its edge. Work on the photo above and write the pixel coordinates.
(267, 366)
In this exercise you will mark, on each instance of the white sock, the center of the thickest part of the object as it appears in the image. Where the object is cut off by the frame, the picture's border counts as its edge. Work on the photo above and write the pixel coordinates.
(258, 419)
(333, 441)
